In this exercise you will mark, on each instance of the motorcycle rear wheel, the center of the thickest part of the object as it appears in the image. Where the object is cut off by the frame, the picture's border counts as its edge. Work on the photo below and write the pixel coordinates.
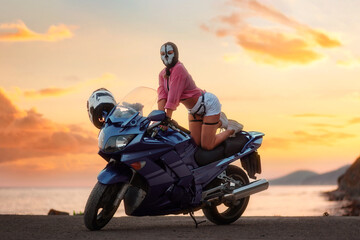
(229, 212)
(102, 204)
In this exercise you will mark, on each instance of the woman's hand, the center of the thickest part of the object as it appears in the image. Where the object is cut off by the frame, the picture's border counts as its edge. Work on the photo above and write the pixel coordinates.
(163, 128)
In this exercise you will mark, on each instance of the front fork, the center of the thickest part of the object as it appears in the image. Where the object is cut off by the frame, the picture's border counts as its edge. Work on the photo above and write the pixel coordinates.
(132, 195)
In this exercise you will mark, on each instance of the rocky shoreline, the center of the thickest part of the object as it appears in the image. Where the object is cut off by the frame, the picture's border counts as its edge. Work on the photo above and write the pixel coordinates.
(349, 206)
(348, 191)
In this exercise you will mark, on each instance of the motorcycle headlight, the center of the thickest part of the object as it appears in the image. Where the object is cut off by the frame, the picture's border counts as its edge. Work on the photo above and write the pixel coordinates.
(117, 143)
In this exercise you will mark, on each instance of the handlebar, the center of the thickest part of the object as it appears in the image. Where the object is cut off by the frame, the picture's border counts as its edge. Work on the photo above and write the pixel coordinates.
(176, 125)
(169, 123)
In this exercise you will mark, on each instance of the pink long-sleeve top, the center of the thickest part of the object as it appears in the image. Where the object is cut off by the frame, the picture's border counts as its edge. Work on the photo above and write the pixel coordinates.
(179, 86)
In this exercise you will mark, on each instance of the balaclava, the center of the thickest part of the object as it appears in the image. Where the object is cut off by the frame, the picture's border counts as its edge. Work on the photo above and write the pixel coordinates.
(169, 55)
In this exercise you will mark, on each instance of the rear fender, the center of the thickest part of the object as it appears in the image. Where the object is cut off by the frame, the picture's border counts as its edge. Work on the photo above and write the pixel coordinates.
(115, 173)
(254, 143)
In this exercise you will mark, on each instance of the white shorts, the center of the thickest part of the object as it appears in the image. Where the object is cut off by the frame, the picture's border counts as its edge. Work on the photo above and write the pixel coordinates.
(211, 103)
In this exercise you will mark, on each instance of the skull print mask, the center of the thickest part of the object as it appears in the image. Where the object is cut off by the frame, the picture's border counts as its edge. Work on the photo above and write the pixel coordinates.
(169, 54)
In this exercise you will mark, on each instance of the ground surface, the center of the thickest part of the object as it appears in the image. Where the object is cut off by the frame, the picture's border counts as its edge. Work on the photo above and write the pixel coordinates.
(180, 227)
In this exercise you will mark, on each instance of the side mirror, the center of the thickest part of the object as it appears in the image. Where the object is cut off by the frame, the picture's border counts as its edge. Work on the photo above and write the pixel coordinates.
(157, 115)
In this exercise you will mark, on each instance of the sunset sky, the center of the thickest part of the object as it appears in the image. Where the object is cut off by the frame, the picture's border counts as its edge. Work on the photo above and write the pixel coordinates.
(288, 68)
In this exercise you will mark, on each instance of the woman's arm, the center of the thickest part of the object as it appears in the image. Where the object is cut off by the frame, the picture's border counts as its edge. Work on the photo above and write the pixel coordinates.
(177, 84)
(161, 104)
(169, 112)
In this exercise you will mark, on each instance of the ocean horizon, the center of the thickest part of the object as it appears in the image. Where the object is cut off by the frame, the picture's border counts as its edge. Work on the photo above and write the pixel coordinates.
(276, 201)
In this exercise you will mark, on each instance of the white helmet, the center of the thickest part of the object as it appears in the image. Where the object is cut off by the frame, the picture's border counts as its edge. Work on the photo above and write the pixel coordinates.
(100, 102)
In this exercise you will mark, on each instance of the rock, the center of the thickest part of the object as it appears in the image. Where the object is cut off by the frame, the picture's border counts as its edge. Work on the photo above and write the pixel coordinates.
(336, 195)
(349, 190)
(350, 181)
(56, 212)
(352, 209)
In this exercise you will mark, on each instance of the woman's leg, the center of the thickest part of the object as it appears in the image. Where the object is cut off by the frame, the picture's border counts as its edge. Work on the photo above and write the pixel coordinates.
(195, 128)
(209, 138)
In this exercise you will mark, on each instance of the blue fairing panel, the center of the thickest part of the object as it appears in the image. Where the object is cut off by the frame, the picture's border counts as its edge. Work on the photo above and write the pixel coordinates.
(114, 174)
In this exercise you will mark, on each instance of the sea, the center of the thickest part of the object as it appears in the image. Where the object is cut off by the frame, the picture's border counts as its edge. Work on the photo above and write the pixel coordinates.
(275, 201)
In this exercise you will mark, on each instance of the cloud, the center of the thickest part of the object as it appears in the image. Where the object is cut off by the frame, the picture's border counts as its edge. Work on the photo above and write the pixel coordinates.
(19, 32)
(8, 111)
(274, 15)
(283, 41)
(27, 134)
(325, 138)
(47, 92)
(320, 137)
(277, 142)
(325, 125)
(105, 79)
(274, 47)
(355, 120)
(350, 62)
(312, 115)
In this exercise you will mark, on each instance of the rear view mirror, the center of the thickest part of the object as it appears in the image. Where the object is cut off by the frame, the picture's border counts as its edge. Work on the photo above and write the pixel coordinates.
(157, 115)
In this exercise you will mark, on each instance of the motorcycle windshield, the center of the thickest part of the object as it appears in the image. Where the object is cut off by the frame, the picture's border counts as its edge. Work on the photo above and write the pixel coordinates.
(141, 100)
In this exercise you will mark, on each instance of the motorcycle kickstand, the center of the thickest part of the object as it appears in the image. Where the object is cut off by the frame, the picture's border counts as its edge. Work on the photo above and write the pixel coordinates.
(196, 222)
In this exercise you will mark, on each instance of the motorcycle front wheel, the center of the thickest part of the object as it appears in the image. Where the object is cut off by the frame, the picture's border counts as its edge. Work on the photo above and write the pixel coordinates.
(228, 212)
(102, 204)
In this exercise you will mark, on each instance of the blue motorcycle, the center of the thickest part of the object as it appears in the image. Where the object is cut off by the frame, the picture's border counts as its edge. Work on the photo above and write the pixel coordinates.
(156, 172)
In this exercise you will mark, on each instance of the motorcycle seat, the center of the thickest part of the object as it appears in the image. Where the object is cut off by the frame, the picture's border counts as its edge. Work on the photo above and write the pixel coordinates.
(229, 147)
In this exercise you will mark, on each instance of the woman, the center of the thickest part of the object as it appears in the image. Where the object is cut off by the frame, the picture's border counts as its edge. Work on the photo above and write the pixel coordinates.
(205, 117)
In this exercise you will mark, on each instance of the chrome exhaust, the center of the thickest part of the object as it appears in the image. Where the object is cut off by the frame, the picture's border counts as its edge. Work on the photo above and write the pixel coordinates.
(247, 190)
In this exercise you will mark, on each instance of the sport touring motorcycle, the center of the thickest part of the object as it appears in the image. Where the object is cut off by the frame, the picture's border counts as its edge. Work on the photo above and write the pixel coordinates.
(156, 172)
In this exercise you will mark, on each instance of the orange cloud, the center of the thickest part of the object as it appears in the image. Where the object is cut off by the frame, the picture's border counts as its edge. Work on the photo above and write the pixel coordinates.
(292, 43)
(27, 134)
(313, 115)
(320, 137)
(16, 32)
(47, 92)
(105, 79)
(204, 27)
(272, 47)
(274, 15)
(324, 125)
(349, 62)
(354, 120)
(325, 138)
(277, 143)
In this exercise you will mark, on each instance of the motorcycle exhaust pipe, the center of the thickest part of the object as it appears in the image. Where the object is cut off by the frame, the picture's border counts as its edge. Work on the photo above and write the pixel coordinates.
(247, 190)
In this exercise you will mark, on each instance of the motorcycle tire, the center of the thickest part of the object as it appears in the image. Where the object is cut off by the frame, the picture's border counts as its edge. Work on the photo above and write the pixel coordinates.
(102, 204)
(228, 213)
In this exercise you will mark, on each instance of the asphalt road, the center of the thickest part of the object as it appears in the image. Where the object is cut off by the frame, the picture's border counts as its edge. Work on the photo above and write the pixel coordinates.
(180, 227)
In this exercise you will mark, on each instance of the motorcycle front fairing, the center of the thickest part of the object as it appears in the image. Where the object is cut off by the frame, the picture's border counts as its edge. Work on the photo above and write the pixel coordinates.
(152, 154)
(115, 171)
